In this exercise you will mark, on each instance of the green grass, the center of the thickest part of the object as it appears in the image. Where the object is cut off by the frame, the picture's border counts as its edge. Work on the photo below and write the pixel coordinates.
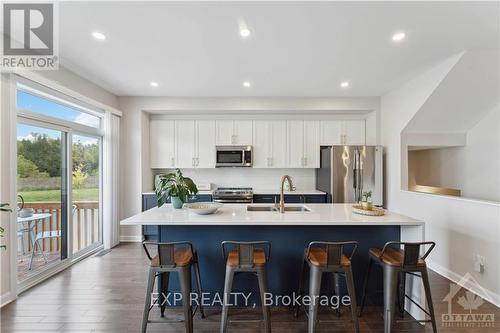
(83, 194)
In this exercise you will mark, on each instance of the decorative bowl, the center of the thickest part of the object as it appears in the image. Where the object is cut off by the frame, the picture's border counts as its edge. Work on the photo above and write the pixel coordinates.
(203, 208)
(375, 211)
(26, 212)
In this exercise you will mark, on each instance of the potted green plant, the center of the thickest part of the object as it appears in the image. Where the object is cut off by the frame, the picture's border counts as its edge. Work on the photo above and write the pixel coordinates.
(4, 208)
(176, 187)
(366, 203)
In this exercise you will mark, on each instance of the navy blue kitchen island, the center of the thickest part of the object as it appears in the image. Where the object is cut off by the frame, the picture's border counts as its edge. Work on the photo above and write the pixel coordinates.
(289, 233)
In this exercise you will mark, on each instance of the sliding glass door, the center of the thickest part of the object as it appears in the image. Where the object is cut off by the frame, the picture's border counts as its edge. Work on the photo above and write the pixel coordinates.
(42, 198)
(59, 179)
(86, 192)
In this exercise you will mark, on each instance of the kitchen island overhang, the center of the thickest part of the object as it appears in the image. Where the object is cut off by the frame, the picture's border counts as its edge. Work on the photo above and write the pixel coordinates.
(289, 234)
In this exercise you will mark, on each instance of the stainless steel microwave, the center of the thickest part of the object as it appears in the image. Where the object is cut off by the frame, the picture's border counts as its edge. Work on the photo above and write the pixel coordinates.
(233, 156)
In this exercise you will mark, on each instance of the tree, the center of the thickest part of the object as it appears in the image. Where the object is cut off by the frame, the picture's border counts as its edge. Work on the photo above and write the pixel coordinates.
(79, 177)
(26, 168)
(43, 151)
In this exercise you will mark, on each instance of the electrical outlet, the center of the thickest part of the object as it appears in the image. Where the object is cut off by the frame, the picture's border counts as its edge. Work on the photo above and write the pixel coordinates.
(479, 263)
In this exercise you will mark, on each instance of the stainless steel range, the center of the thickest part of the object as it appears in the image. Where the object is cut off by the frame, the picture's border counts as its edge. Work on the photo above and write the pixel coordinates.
(233, 195)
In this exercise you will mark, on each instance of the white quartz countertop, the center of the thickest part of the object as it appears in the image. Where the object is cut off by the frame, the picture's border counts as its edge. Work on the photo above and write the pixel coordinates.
(237, 214)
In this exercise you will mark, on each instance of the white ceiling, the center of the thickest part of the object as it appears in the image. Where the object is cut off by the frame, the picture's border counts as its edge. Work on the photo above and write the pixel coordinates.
(296, 48)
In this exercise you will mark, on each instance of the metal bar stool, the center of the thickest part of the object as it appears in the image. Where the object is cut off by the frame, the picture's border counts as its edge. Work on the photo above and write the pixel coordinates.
(396, 263)
(246, 257)
(175, 257)
(327, 257)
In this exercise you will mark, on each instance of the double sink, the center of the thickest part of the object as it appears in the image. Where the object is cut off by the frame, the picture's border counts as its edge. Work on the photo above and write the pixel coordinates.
(251, 208)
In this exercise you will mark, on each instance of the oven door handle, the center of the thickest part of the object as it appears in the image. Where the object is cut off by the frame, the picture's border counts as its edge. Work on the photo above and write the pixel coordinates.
(233, 201)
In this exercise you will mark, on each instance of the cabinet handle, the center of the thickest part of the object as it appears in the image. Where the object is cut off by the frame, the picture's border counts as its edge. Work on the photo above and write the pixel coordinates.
(305, 161)
(197, 161)
(173, 161)
(193, 163)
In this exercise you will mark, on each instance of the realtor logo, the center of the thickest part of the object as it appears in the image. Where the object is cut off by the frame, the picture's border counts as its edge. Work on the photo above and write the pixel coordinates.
(469, 315)
(29, 32)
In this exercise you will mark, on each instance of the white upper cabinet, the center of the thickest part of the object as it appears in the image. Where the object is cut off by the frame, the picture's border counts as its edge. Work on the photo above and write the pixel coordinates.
(205, 147)
(243, 132)
(331, 132)
(354, 132)
(311, 144)
(225, 132)
(269, 144)
(295, 143)
(162, 143)
(342, 132)
(303, 143)
(182, 143)
(234, 132)
(278, 144)
(261, 143)
(185, 143)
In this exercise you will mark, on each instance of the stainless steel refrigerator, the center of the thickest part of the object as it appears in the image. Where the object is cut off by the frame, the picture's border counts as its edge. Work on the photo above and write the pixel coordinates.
(347, 171)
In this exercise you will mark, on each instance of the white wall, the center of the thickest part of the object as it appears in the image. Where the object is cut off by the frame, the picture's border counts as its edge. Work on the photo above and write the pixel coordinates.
(461, 228)
(259, 179)
(68, 80)
(84, 87)
(136, 173)
(474, 168)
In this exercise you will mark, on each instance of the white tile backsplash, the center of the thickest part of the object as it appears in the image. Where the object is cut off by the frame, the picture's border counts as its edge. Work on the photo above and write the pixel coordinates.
(266, 179)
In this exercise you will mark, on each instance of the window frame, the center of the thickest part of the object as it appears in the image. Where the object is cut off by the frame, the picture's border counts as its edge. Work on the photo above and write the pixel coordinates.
(49, 94)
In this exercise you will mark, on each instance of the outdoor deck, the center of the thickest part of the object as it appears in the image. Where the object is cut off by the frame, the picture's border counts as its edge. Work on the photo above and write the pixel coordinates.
(86, 231)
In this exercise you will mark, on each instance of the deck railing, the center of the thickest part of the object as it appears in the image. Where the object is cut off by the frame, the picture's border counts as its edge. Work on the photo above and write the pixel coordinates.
(86, 227)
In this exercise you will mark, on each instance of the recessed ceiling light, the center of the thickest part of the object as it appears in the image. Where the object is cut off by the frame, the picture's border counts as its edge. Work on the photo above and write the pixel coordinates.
(153, 84)
(98, 35)
(397, 37)
(247, 84)
(344, 84)
(245, 32)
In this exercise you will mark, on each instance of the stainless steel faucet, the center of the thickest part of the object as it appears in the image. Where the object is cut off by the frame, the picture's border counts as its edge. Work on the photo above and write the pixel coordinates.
(281, 204)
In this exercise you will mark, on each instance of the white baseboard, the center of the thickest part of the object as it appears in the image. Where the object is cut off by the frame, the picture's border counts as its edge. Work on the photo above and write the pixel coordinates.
(136, 238)
(6, 299)
(482, 292)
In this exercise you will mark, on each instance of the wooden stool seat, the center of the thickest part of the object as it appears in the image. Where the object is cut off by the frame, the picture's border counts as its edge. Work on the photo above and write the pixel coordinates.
(182, 257)
(259, 257)
(391, 256)
(318, 257)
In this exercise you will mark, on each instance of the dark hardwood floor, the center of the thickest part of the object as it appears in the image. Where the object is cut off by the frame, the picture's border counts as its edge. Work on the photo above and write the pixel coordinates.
(106, 294)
